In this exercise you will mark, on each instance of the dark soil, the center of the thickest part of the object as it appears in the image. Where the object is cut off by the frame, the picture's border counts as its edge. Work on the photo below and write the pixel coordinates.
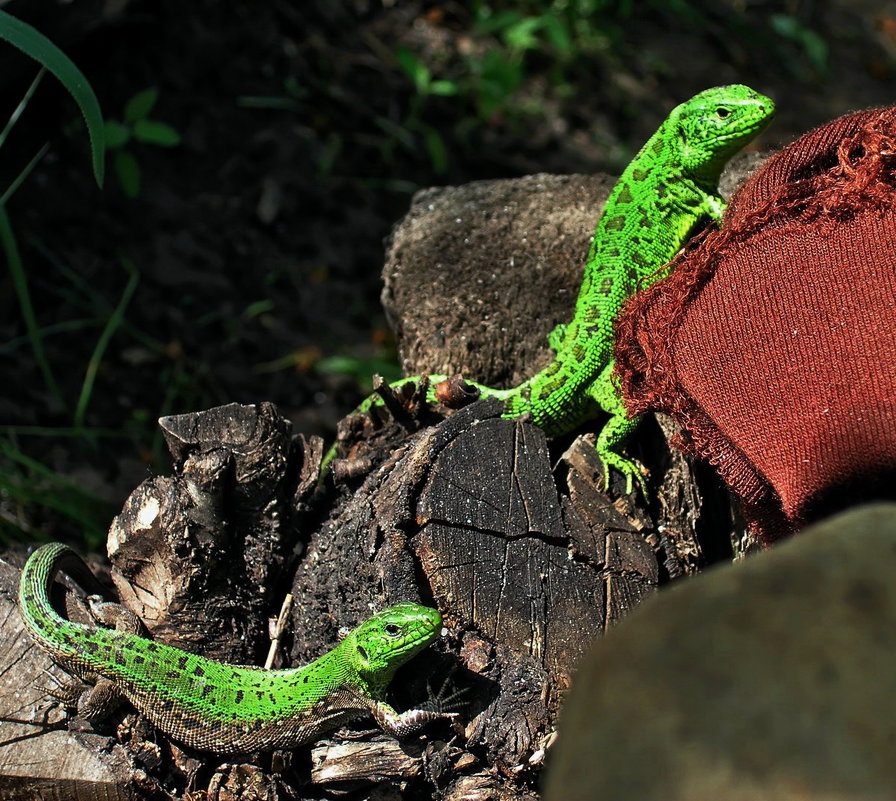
(258, 240)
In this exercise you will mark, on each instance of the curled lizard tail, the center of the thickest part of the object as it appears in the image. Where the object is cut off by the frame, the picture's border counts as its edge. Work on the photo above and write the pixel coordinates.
(43, 622)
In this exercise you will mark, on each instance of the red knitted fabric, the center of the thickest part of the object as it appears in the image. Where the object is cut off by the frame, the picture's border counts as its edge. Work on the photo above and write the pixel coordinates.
(773, 341)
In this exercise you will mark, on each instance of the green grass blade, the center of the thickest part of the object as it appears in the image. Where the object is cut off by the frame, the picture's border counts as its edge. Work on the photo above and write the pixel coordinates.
(56, 432)
(34, 483)
(96, 357)
(54, 329)
(35, 44)
(26, 171)
(23, 104)
(20, 284)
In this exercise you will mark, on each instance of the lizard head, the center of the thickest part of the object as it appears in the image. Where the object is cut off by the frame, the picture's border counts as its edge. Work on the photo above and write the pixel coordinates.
(714, 124)
(390, 638)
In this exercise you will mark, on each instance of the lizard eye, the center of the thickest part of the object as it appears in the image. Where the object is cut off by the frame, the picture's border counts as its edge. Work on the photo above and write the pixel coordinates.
(392, 630)
(722, 112)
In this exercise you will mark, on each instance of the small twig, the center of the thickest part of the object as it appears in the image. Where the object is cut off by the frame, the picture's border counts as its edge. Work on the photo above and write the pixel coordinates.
(385, 391)
(344, 469)
(279, 627)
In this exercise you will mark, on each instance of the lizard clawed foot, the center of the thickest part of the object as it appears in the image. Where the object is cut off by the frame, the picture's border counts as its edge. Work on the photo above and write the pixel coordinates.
(90, 701)
(439, 706)
(65, 691)
(632, 471)
(444, 702)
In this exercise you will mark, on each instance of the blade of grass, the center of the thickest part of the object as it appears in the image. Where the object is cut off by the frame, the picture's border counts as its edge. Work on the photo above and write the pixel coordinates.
(65, 327)
(20, 283)
(35, 44)
(52, 490)
(102, 342)
(93, 301)
(26, 171)
(14, 117)
(61, 431)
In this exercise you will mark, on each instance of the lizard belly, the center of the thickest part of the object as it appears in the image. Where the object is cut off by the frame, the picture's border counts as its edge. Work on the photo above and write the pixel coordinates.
(205, 704)
(230, 732)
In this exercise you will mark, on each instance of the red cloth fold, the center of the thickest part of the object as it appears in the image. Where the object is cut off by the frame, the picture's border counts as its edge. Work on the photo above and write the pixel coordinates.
(773, 340)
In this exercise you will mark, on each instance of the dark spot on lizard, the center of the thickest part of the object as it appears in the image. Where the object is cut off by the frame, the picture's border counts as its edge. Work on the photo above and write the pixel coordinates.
(640, 175)
(139, 659)
(305, 679)
(206, 690)
(260, 694)
(151, 647)
(625, 195)
(182, 662)
(238, 698)
(615, 223)
(173, 674)
(198, 671)
(657, 146)
(120, 659)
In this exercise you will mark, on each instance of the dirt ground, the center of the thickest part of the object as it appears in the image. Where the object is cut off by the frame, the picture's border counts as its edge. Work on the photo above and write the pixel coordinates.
(254, 246)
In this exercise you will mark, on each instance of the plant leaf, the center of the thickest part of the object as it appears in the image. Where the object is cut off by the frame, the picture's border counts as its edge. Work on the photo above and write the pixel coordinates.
(35, 44)
(128, 171)
(117, 135)
(414, 68)
(435, 146)
(156, 133)
(139, 106)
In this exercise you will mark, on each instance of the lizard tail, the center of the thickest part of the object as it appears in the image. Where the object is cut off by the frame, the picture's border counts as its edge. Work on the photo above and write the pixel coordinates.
(41, 619)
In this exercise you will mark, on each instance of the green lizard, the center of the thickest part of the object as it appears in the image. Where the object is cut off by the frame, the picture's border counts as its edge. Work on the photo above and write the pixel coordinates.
(219, 707)
(658, 201)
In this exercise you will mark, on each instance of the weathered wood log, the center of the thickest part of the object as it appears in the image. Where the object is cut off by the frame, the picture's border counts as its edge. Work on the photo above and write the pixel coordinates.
(39, 756)
(527, 564)
(201, 558)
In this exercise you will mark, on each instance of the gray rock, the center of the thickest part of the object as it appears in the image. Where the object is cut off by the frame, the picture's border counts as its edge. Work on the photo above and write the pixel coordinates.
(477, 275)
(772, 678)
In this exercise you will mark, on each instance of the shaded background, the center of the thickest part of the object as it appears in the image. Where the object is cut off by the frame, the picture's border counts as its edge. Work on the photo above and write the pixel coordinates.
(236, 256)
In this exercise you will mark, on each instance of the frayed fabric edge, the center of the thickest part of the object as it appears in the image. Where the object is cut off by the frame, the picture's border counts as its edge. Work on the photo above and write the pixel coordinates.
(861, 179)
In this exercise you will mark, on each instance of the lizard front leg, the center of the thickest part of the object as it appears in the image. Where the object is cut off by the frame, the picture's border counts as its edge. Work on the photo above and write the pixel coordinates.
(605, 391)
(403, 724)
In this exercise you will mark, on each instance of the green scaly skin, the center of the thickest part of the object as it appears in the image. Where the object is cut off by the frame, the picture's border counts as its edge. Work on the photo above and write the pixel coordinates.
(227, 709)
(669, 188)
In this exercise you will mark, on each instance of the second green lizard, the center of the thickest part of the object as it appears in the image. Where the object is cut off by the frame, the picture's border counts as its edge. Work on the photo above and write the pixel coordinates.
(658, 201)
(219, 707)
